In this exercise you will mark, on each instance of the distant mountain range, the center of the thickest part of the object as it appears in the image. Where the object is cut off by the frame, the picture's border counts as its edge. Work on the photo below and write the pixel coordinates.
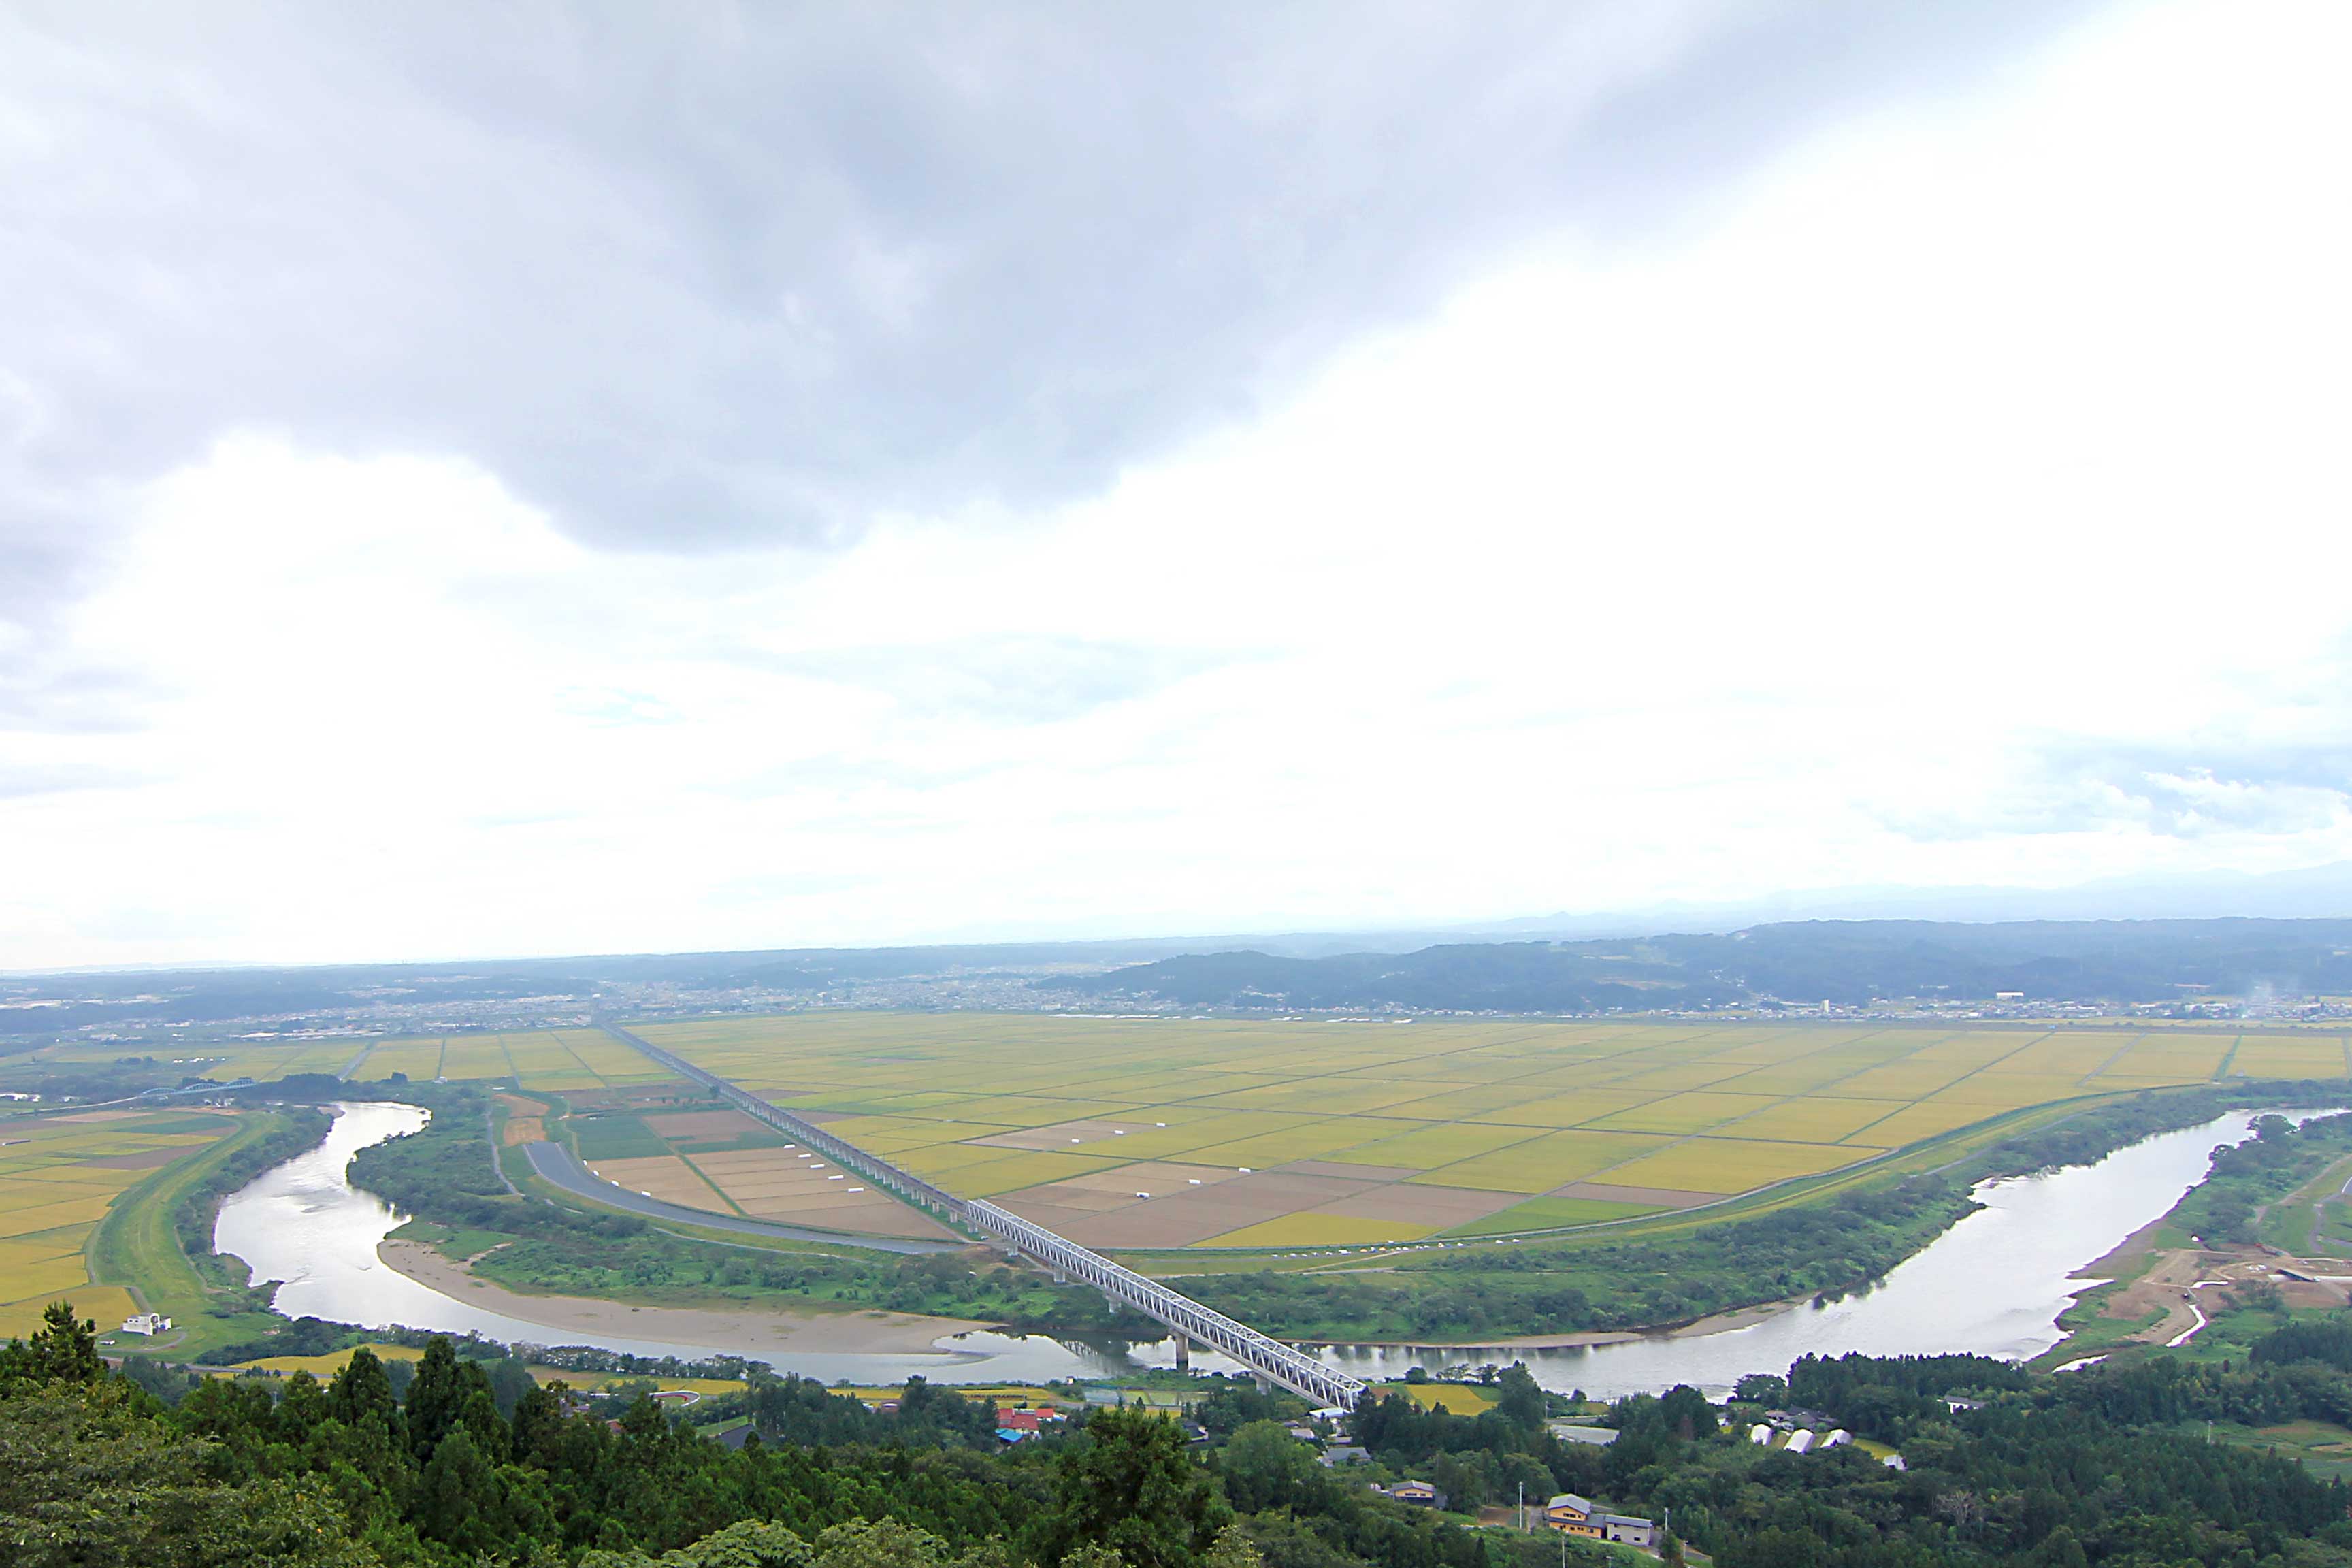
(2316, 892)
(1547, 965)
(1848, 962)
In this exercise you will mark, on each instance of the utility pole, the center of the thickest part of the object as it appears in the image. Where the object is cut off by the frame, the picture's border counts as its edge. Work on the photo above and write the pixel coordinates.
(1521, 1507)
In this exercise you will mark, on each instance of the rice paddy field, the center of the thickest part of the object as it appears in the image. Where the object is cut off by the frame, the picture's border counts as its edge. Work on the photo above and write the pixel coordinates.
(554, 1059)
(1169, 1136)
(1167, 1133)
(559, 1061)
(59, 1174)
(722, 1160)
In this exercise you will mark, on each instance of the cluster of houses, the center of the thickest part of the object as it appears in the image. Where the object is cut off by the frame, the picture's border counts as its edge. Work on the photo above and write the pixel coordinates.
(1565, 1512)
(1018, 1422)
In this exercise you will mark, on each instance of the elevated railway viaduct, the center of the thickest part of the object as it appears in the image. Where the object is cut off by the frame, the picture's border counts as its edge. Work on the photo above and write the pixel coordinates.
(1266, 1357)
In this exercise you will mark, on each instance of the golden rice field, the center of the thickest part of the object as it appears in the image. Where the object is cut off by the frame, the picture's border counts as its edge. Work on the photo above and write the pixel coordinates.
(58, 1176)
(1265, 1134)
(553, 1059)
(1257, 1133)
(556, 1060)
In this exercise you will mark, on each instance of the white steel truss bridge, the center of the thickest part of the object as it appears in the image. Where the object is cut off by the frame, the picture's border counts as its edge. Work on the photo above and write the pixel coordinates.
(1266, 1357)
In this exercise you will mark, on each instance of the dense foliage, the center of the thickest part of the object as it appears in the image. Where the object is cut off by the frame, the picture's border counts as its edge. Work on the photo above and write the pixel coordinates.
(2030, 1470)
(472, 1463)
(800, 1411)
(2088, 1466)
(347, 1472)
(2266, 1167)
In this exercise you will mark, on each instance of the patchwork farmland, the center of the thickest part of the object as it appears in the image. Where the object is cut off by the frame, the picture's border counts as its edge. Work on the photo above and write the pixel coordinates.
(555, 1060)
(1164, 1134)
(59, 1174)
(1215, 1133)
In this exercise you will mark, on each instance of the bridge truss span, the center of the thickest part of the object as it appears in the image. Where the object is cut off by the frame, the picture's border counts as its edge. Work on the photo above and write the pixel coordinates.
(1266, 1357)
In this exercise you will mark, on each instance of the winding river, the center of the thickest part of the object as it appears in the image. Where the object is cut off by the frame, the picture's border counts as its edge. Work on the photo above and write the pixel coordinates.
(1993, 1284)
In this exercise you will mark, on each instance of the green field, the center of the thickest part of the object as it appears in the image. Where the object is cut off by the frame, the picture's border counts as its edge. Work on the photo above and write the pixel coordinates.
(1253, 1134)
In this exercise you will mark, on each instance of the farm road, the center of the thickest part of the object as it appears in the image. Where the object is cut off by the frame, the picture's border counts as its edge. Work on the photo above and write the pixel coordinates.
(554, 1162)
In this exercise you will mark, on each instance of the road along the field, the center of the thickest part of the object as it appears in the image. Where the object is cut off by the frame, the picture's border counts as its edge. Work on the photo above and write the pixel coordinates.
(554, 1163)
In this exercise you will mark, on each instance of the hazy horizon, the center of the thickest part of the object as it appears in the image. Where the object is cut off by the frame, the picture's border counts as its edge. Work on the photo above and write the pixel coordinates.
(2315, 893)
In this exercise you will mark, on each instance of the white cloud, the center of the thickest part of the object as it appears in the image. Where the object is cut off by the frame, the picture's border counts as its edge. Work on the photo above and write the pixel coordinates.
(1964, 505)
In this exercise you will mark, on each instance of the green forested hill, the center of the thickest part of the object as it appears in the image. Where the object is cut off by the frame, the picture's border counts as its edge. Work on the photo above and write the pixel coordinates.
(1846, 961)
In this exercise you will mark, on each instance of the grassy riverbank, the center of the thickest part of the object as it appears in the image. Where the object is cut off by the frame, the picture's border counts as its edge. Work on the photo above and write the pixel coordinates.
(157, 1239)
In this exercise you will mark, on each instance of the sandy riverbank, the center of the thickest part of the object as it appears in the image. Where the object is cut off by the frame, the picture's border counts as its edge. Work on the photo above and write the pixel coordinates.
(756, 1334)
(2125, 1255)
(1722, 1322)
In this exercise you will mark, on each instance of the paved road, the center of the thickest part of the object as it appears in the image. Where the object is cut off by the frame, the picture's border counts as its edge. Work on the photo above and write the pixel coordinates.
(555, 1163)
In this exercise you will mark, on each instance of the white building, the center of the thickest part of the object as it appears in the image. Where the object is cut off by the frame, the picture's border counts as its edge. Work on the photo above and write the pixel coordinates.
(145, 1324)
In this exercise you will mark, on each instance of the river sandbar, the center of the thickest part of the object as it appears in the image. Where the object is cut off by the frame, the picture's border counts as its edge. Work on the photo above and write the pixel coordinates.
(755, 1334)
(1721, 1323)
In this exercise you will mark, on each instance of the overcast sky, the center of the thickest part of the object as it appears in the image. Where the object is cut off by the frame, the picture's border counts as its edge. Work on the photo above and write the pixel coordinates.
(549, 479)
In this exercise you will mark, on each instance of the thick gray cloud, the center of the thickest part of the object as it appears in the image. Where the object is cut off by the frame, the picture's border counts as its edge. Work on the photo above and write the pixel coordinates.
(690, 275)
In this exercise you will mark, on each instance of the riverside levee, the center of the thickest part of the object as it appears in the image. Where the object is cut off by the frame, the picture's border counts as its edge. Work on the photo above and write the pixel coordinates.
(1267, 1357)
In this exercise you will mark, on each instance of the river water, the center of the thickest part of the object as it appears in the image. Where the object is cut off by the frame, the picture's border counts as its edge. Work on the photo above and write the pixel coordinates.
(1993, 1284)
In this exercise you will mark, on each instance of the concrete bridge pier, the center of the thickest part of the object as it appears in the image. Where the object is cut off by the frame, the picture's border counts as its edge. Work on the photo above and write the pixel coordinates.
(1184, 1353)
